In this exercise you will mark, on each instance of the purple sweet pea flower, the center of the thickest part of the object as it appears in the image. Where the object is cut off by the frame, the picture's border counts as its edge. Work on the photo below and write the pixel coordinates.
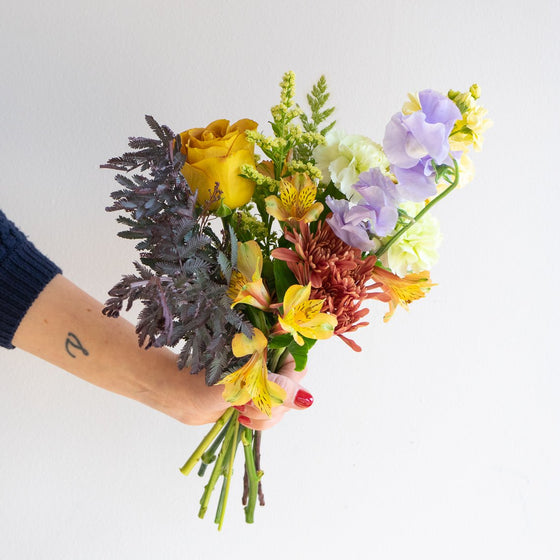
(350, 223)
(379, 195)
(416, 183)
(412, 141)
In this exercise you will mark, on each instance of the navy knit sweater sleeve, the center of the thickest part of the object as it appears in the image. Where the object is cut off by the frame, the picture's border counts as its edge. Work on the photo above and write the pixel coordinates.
(24, 272)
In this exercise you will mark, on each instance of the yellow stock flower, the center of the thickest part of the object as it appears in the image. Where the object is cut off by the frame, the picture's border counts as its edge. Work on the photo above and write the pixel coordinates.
(303, 317)
(296, 202)
(250, 382)
(468, 130)
(215, 154)
(246, 285)
(402, 291)
(412, 104)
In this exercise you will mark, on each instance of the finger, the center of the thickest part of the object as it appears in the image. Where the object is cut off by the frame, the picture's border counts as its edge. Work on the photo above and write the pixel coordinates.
(261, 425)
(296, 396)
(253, 413)
(288, 369)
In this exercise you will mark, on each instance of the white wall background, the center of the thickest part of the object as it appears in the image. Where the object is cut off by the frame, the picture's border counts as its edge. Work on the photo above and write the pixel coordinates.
(440, 440)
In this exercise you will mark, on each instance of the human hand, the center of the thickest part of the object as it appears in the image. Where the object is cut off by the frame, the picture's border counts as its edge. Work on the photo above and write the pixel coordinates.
(297, 398)
(191, 401)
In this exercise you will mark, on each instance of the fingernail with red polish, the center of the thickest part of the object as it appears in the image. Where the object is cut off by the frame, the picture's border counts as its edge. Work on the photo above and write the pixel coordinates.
(241, 408)
(244, 420)
(303, 399)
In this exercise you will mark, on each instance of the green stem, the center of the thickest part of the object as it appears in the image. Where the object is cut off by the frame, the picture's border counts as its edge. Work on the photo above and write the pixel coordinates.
(195, 457)
(246, 439)
(258, 319)
(418, 216)
(221, 511)
(210, 454)
(276, 358)
(217, 470)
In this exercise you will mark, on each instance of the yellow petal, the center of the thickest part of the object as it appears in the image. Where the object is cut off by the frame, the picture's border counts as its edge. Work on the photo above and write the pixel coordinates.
(235, 394)
(320, 327)
(249, 259)
(240, 142)
(250, 383)
(254, 294)
(242, 345)
(199, 180)
(313, 213)
(218, 128)
(276, 209)
(296, 295)
(288, 195)
(290, 327)
(236, 190)
(218, 148)
(277, 394)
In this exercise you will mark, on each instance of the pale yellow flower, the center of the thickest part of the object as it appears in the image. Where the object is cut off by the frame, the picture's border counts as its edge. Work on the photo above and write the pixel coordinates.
(402, 291)
(468, 130)
(344, 156)
(296, 202)
(416, 249)
(250, 382)
(246, 284)
(303, 317)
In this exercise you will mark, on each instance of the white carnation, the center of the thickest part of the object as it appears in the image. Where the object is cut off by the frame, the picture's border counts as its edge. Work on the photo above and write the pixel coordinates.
(345, 156)
(416, 250)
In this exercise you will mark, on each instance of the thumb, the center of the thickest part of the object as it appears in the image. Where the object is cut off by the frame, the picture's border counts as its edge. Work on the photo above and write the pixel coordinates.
(297, 397)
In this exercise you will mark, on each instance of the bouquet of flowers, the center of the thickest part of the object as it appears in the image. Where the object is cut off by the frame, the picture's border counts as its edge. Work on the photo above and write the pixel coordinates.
(249, 255)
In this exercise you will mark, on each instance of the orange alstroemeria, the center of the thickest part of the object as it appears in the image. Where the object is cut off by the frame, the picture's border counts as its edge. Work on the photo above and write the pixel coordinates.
(250, 382)
(246, 284)
(303, 317)
(402, 291)
(296, 202)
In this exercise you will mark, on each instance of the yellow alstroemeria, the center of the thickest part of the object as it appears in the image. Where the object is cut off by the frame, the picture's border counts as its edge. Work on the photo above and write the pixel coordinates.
(246, 284)
(296, 202)
(303, 317)
(250, 382)
(402, 291)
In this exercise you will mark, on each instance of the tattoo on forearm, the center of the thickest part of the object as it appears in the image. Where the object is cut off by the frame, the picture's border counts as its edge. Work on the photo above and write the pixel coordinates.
(72, 341)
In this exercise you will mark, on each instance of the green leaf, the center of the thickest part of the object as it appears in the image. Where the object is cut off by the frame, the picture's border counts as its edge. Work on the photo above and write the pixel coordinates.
(223, 210)
(283, 278)
(280, 341)
(330, 190)
(300, 353)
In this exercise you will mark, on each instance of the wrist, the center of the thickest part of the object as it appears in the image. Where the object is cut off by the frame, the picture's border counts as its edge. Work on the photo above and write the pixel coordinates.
(178, 393)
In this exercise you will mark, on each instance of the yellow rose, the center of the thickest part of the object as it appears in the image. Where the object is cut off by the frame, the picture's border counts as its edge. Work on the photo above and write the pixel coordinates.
(215, 154)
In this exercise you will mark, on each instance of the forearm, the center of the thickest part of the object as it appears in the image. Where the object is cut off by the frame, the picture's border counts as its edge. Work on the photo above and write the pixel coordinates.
(65, 327)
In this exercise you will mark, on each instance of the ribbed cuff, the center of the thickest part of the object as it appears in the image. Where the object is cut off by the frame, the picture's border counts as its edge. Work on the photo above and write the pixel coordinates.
(24, 272)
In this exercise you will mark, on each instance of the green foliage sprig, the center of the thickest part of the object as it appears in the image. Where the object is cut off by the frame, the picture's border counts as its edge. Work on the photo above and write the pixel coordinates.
(315, 125)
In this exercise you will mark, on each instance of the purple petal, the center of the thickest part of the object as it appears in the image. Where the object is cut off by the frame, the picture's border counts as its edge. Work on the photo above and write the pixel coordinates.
(374, 178)
(438, 108)
(350, 224)
(414, 184)
(386, 220)
(395, 141)
(355, 236)
(431, 136)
